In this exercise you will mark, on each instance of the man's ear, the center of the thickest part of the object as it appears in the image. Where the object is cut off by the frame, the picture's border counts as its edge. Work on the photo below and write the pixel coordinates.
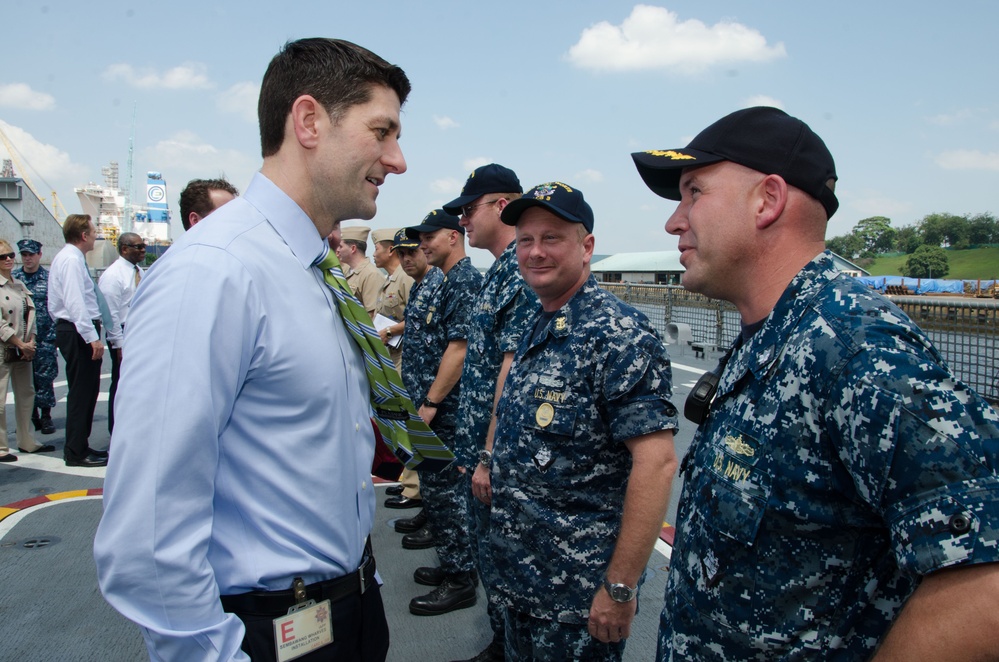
(772, 200)
(305, 117)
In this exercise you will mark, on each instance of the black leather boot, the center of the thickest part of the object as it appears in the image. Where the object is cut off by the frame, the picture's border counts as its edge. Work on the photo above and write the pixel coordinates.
(492, 653)
(422, 539)
(412, 524)
(434, 576)
(455, 592)
(45, 422)
(36, 419)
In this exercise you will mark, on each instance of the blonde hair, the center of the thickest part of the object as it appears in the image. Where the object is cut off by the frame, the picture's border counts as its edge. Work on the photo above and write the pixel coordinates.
(10, 249)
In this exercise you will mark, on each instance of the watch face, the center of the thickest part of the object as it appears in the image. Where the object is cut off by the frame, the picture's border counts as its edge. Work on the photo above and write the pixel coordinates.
(620, 592)
(485, 457)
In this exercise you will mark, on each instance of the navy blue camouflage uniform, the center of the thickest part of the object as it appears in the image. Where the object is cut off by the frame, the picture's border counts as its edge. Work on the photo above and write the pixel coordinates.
(44, 365)
(594, 375)
(840, 462)
(448, 310)
(505, 309)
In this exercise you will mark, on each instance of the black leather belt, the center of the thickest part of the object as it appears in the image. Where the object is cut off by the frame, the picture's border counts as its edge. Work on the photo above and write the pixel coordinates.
(277, 603)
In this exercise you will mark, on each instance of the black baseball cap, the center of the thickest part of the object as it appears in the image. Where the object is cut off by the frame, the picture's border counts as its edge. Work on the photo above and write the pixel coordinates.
(492, 178)
(434, 221)
(560, 199)
(763, 138)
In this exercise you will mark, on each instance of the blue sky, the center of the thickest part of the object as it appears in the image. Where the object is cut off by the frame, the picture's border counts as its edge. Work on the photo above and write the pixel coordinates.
(901, 93)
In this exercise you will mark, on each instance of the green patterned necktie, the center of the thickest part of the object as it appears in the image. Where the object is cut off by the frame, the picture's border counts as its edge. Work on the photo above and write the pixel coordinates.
(412, 441)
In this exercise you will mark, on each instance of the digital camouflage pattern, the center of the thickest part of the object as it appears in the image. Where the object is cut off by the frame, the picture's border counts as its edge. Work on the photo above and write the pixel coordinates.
(504, 310)
(503, 313)
(528, 639)
(422, 297)
(598, 376)
(447, 313)
(44, 365)
(841, 461)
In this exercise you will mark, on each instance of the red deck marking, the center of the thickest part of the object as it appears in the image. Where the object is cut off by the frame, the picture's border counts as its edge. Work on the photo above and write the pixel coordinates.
(11, 508)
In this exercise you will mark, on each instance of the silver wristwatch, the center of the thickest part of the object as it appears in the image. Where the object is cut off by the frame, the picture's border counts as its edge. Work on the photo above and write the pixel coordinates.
(485, 458)
(620, 592)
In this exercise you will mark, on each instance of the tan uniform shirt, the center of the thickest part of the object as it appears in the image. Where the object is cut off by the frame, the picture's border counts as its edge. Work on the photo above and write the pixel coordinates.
(365, 281)
(392, 298)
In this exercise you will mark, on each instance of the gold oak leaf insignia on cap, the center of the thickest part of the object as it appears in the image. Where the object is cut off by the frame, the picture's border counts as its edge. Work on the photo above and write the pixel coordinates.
(671, 154)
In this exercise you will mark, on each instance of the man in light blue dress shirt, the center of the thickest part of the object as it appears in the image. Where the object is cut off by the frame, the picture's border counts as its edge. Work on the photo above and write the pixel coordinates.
(243, 441)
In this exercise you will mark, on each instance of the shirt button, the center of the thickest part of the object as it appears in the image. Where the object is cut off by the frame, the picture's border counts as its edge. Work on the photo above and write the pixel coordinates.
(364, 484)
(959, 523)
(357, 427)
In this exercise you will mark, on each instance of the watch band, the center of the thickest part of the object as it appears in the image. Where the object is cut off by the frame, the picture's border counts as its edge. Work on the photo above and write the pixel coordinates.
(427, 402)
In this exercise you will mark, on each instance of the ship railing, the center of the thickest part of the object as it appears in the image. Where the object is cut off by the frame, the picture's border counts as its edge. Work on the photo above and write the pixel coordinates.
(964, 331)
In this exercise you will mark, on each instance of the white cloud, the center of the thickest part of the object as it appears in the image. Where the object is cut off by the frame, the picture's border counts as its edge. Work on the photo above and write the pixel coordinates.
(21, 96)
(874, 203)
(445, 122)
(185, 156)
(654, 38)
(187, 76)
(46, 164)
(589, 175)
(241, 100)
(446, 185)
(763, 100)
(474, 162)
(949, 119)
(968, 159)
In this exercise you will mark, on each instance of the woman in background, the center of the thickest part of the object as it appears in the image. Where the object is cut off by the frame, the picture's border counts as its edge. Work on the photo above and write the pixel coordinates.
(17, 332)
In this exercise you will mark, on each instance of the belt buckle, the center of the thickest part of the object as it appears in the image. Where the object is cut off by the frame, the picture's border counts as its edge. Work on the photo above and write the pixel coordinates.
(360, 576)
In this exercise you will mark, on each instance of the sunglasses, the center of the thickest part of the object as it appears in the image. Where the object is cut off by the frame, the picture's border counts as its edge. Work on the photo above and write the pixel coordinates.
(467, 210)
(141, 247)
(7, 256)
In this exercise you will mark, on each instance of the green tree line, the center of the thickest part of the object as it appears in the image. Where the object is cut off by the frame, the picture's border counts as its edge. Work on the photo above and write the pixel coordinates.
(924, 242)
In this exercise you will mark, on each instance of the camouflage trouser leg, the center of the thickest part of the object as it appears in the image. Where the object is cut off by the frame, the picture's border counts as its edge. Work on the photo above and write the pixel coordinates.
(45, 369)
(445, 498)
(478, 519)
(538, 640)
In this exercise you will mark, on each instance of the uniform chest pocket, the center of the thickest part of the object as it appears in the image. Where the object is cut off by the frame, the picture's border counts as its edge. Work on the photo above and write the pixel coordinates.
(740, 490)
(551, 428)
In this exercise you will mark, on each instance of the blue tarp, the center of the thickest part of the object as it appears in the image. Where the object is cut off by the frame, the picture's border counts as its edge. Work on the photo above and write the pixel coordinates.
(923, 285)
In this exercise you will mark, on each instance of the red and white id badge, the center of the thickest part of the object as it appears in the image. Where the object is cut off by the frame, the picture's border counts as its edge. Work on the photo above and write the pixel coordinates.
(303, 629)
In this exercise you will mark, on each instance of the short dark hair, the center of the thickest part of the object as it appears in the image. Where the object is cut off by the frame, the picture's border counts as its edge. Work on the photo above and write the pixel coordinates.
(74, 226)
(337, 73)
(196, 197)
(361, 246)
(126, 236)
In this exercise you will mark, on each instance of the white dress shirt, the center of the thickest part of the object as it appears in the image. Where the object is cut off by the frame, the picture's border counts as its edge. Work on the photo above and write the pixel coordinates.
(118, 285)
(72, 294)
(242, 440)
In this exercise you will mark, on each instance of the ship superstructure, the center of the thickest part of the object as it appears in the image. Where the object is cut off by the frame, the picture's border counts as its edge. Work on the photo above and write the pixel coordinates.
(106, 205)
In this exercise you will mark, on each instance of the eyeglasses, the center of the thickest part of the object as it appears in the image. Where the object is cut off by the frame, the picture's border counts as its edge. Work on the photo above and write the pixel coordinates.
(7, 256)
(467, 209)
(141, 247)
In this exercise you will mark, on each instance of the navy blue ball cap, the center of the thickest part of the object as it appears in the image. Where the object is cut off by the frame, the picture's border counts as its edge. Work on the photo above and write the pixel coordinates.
(402, 240)
(434, 221)
(29, 246)
(763, 138)
(492, 178)
(560, 199)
